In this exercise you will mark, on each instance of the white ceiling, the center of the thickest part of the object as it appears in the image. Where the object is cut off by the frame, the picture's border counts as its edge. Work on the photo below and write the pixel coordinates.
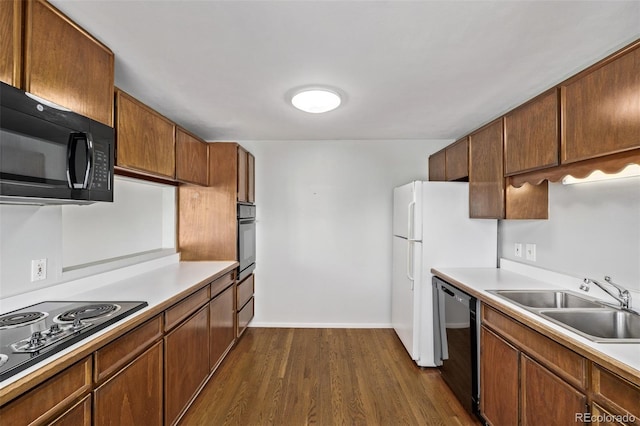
(408, 69)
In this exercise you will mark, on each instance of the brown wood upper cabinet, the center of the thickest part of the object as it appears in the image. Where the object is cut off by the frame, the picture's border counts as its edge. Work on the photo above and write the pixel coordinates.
(531, 135)
(65, 64)
(486, 176)
(438, 166)
(11, 41)
(601, 108)
(145, 140)
(450, 163)
(246, 176)
(192, 158)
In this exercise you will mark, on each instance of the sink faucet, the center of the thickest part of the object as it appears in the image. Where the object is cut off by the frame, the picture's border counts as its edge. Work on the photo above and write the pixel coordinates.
(623, 297)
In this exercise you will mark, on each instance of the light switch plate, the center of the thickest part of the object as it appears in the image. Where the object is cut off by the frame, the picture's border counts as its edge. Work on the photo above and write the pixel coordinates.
(531, 252)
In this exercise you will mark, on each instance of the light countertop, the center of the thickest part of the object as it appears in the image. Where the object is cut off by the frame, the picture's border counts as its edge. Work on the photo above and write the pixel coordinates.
(621, 357)
(160, 287)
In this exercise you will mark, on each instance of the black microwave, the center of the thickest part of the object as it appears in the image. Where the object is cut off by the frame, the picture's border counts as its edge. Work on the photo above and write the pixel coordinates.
(51, 155)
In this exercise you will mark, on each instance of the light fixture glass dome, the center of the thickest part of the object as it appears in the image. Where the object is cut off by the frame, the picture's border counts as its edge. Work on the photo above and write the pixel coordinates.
(316, 101)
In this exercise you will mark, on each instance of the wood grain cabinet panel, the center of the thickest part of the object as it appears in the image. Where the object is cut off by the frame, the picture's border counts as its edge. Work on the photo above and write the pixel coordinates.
(181, 310)
(457, 160)
(618, 395)
(192, 159)
(486, 176)
(499, 380)
(242, 175)
(546, 399)
(437, 166)
(602, 417)
(251, 178)
(117, 354)
(220, 284)
(51, 398)
(66, 65)
(245, 291)
(78, 415)
(11, 41)
(222, 326)
(244, 317)
(532, 135)
(601, 108)
(186, 363)
(145, 140)
(134, 395)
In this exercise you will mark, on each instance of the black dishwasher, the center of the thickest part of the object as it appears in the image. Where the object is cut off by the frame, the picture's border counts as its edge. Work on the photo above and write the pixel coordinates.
(456, 342)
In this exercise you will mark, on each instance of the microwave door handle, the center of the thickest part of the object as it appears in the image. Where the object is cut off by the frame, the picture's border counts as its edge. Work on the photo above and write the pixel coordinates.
(72, 177)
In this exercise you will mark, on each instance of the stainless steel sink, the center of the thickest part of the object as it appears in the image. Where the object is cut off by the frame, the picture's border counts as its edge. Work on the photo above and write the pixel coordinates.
(599, 325)
(546, 299)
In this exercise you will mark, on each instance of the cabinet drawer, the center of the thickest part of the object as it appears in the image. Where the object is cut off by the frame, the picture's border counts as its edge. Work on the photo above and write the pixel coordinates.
(244, 316)
(615, 393)
(120, 352)
(245, 291)
(184, 308)
(562, 361)
(222, 283)
(50, 398)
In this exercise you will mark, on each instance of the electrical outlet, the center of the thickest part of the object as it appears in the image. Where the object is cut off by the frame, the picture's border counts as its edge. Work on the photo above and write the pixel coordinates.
(38, 270)
(531, 252)
(518, 250)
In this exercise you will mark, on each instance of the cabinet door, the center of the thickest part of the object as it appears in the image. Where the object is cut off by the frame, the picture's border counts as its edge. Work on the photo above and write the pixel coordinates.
(547, 399)
(242, 175)
(457, 160)
(134, 395)
(186, 363)
(244, 317)
(10, 41)
(64, 64)
(601, 417)
(615, 393)
(251, 178)
(498, 380)
(532, 134)
(486, 177)
(145, 140)
(192, 160)
(601, 109)
(222, 314)
(78, 415)
(437, 166)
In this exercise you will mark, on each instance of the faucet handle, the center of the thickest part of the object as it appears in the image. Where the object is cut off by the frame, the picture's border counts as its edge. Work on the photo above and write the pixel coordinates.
(585, 284)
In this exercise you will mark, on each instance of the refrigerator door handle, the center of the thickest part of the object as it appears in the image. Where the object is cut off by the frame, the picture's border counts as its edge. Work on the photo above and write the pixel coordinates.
(410, 262)
(410, 218)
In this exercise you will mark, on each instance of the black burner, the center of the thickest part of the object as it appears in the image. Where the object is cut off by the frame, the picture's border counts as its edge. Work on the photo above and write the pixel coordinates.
(21, 318)
(87, 312)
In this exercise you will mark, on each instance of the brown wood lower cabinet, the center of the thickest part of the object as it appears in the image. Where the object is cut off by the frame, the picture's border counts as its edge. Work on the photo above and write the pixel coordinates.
(186, 363)
(222, 330)
(617, 398)
(499, 380)
(51, 398)
(78, 415)
(134, 395)
(527, 378)
(547, 399)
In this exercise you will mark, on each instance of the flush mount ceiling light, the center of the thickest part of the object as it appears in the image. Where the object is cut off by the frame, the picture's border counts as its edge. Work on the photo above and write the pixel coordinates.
(316, 101)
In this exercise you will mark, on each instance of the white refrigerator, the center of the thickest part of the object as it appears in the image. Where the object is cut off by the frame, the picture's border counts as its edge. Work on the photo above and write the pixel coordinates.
(431, 228)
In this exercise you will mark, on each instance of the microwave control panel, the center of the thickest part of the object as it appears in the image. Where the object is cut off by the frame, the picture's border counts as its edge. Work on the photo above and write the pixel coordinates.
(101, 167)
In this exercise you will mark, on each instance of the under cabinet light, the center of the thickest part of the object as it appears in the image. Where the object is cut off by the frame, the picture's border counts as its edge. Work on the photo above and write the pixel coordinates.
(631, 170)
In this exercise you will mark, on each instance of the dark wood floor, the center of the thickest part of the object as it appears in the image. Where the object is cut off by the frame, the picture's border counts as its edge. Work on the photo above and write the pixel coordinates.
(324, 377)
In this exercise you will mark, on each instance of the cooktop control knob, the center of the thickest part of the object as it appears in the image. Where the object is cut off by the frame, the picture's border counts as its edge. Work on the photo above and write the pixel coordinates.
(36, 339)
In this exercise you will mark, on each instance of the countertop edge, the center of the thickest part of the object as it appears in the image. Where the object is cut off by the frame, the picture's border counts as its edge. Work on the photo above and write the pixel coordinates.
(28, 382)
(538, 324)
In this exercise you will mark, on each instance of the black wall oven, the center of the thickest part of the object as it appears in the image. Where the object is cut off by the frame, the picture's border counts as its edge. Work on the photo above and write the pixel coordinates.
(50, 155)
(246, 240)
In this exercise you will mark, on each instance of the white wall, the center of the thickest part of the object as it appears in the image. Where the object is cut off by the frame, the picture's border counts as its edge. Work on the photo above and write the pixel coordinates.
(593, 230)
(141, 219)
(324, 211)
